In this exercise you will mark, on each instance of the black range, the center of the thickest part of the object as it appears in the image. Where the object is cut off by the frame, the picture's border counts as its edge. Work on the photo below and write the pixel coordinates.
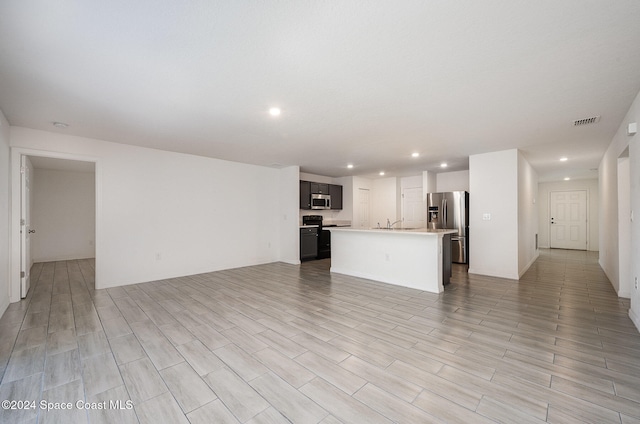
(324, 236)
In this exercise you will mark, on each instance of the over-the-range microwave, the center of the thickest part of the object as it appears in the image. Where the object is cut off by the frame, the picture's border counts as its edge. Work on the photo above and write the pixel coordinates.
(320, 201)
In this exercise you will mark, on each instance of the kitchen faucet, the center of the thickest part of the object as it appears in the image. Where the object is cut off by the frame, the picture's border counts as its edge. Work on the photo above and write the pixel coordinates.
(390, 224)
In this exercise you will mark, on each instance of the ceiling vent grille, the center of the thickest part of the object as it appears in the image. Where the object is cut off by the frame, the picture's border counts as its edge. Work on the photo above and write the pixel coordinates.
(586, 121)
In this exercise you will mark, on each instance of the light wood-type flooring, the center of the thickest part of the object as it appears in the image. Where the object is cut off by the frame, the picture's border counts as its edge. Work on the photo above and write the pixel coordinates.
(279, 343)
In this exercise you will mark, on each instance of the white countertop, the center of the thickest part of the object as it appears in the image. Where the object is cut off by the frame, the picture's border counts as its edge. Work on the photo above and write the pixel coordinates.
(337, 222)
(419, 231)
(327, 226)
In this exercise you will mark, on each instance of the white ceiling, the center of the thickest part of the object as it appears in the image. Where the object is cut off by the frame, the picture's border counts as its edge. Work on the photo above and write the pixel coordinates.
(366, 82)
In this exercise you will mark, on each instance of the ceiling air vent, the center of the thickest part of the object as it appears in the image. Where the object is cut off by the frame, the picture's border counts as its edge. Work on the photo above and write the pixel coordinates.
(585, 121)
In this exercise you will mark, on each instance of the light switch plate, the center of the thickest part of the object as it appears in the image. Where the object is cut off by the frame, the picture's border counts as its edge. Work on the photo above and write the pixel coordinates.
(486, 217)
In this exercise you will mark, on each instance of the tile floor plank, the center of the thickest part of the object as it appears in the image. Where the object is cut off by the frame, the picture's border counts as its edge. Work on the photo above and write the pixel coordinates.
(237, 395)
(285, 398)
(142, 380)
(213, 412)
(187, 387)
(62, 368)
(100, 373)
(162, 409)
(344, 407)
(276, 343)
(392, 407)
(201, 359)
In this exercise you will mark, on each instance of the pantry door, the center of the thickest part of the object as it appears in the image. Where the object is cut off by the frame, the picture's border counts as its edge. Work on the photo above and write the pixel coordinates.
(568, 219)
(363, 208)
(413, 210)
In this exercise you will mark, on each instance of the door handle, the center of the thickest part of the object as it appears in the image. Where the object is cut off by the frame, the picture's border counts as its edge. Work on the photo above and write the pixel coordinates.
(32, 231)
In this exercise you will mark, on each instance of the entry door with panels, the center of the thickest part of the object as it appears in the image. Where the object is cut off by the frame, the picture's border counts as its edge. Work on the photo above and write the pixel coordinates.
(568, 220)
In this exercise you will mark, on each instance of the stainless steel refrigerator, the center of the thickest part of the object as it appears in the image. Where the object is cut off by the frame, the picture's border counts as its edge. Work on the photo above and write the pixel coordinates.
(450, 210)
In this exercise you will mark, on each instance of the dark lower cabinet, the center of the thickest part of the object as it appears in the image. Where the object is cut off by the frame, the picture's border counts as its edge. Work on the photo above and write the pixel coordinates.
(446, 259)
(324, 244)
(308, 243)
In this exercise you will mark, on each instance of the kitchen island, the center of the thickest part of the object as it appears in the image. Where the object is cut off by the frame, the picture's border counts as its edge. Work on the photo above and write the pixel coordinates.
(405, 257)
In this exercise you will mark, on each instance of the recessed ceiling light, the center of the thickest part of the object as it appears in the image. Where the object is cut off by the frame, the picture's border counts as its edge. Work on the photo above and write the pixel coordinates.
(415, 154)
(350, 166)
(381, 173)
(275, 111)
(60, 125)
(564, 159)
(443, 165)
(567, 178)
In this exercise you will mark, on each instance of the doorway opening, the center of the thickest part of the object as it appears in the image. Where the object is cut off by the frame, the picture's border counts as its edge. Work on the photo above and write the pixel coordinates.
(624, 284)
(54, 209)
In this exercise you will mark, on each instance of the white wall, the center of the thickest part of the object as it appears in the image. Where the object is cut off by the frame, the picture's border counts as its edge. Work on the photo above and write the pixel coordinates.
(608, 209)
(452, 181)
(5, 257)
(527, 215)
(544, 190)
(289, 192)
(623, 285)
(411, 182)
(493, 244)
(608, 189)
(609, 257)
(634, 167)
(63, 215)
(429, 183)
(162, 214)
(503, 186)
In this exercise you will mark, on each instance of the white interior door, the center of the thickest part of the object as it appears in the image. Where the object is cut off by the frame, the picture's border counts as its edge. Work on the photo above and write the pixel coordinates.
(413, 210)
(25, 226)
(363, 208)
(568, 219)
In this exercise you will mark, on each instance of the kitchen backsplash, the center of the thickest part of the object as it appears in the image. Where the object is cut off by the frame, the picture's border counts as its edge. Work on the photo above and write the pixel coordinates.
(328, 216)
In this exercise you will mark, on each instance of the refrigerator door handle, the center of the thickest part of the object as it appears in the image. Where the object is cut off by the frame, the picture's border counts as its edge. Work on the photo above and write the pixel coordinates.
(444, 213)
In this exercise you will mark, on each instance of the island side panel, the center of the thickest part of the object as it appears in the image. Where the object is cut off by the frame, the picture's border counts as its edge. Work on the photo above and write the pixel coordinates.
(408, 260)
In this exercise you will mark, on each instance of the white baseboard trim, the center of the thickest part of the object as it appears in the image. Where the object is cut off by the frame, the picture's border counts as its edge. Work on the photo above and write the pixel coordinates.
(490, 273)
(3, 306)
(526, 268)
(635, 318)
(63, 258)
